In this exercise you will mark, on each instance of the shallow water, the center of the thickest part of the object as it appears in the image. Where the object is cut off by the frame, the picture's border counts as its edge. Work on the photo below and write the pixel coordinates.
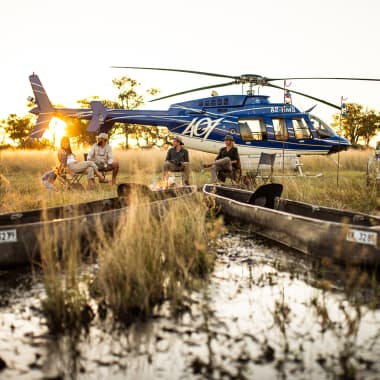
(265, 313)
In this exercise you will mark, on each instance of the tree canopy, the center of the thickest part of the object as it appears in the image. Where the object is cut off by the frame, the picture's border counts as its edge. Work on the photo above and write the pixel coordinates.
(357, 123)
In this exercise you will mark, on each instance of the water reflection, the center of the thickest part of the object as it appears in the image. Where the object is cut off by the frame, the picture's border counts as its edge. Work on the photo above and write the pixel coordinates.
(266, 313)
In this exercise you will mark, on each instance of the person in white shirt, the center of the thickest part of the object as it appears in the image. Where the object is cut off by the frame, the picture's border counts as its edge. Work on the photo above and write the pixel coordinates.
(67, 160)
(101, 154)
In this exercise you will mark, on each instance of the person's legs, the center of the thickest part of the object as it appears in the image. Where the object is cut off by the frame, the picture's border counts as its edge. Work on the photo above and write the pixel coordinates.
(115, 170)
(168, 167)
(221, 164)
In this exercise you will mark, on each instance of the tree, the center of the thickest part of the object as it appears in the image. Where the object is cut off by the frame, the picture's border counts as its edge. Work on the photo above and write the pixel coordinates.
(357, 124)
(128, 98)
(18, 129)
(370, 125)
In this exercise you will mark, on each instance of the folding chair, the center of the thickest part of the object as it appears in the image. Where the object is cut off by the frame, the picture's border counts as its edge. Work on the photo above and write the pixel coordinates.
(70, 180)
(264, 170)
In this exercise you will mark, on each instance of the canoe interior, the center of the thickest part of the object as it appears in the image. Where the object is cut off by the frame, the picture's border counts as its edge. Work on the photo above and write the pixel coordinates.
(299, 208)
(61, 212)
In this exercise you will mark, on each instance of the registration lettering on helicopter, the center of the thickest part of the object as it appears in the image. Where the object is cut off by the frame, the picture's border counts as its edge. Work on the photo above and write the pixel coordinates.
(201, 127)
(282, 109)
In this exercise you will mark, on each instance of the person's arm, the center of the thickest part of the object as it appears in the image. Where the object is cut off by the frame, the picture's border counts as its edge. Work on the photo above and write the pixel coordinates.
(219, 156)
(62, 157)
(91, 154)
(235, 157)
(109, 155)
(168, 155)
(185, 156)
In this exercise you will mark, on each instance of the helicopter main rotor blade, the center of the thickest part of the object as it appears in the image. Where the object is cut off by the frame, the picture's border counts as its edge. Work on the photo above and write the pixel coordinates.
(194, 90)
(178, 71)
(307, 96)
(324, 78)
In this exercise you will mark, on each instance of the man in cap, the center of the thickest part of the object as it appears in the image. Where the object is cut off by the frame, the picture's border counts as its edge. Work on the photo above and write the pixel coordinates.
(227, 162)
(177, 160)
(101, 154)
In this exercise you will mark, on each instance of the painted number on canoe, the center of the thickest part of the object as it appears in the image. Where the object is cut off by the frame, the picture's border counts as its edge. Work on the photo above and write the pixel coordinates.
(8, 236)
(363, 237)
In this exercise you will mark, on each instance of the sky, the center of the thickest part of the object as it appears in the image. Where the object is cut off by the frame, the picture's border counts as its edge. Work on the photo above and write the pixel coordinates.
(72, 45)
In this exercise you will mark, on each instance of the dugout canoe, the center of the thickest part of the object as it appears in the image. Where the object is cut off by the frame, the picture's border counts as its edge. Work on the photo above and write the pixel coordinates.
(345, 236)
(22, 233)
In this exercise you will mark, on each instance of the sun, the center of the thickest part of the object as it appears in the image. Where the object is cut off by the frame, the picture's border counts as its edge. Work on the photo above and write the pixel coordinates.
(57, 129)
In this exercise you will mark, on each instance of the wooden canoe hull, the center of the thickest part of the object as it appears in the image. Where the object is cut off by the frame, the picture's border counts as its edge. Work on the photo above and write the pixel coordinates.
(23, 233)
(316, 231)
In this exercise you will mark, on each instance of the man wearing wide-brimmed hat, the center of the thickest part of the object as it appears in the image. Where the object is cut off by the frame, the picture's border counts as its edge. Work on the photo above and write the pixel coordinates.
(101, 154)
(177, 160)
(227, 162)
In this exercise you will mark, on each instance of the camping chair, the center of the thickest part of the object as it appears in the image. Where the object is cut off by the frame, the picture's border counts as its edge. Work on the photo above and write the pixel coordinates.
(264, 170)
(70, 180)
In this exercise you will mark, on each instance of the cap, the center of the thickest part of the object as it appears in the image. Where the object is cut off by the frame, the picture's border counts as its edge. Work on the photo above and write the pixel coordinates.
(228, 137)
(102, 136)
(178, 139)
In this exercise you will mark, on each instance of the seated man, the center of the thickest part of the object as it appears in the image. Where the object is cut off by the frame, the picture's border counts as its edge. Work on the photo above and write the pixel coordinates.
(101, 154)
(227, 162)
(177, 160)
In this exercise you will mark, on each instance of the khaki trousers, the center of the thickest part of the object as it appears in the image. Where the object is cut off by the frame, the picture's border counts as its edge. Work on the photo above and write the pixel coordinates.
(87, 167)
(171, 167)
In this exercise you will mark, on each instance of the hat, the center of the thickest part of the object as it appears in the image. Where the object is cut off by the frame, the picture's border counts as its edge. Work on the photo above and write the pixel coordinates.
(178, 139)
(228, 137)
(102, 136)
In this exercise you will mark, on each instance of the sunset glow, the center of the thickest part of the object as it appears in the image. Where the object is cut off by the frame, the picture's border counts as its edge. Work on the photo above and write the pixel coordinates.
(57, 129)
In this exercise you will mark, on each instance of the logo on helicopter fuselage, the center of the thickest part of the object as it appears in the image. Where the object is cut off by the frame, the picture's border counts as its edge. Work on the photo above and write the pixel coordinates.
(201, 127)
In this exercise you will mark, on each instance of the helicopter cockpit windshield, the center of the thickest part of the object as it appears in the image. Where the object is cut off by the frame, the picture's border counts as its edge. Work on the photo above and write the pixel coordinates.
(322, 128)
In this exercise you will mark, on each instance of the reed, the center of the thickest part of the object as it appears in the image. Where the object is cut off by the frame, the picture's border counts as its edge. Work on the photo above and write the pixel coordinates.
(154, 256)
(66, 305)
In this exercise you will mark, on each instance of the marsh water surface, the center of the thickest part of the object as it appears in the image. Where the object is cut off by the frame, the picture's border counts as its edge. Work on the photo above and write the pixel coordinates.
(266, 313)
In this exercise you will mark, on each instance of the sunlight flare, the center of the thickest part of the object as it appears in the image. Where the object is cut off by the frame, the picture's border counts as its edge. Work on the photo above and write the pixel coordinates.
(56, 130)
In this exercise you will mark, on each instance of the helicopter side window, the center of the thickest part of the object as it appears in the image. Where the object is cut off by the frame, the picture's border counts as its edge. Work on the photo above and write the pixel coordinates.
(323, 129)
(252, 129)
(301, 130)
(280, 130)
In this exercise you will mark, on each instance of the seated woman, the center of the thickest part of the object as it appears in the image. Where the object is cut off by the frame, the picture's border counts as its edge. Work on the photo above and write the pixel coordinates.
(67, 160)
(227, 162)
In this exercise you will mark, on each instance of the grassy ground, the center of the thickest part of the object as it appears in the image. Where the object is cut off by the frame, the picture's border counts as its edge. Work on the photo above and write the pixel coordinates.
(21, 188)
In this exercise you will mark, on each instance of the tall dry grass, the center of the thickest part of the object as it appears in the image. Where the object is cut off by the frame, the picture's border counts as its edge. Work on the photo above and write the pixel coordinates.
(21, 188)
(66, 304)
(156, 254)
(155, 257)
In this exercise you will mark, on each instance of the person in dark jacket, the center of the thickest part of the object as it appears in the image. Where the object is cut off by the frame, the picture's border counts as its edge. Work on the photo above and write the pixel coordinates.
(177, 160)
(227, 162)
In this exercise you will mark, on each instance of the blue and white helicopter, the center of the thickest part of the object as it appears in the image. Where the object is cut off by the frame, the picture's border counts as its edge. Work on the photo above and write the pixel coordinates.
(256, 124)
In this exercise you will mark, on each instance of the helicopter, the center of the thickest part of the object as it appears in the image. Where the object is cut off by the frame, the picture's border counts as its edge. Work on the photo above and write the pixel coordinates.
(256, 124)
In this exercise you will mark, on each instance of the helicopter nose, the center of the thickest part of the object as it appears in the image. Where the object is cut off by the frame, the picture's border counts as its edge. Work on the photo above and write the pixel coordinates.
(344, 144)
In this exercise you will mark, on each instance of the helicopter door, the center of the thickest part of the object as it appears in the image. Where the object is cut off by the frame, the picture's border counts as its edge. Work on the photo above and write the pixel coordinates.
(280, 130)
(252, 129)
(301, 129)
